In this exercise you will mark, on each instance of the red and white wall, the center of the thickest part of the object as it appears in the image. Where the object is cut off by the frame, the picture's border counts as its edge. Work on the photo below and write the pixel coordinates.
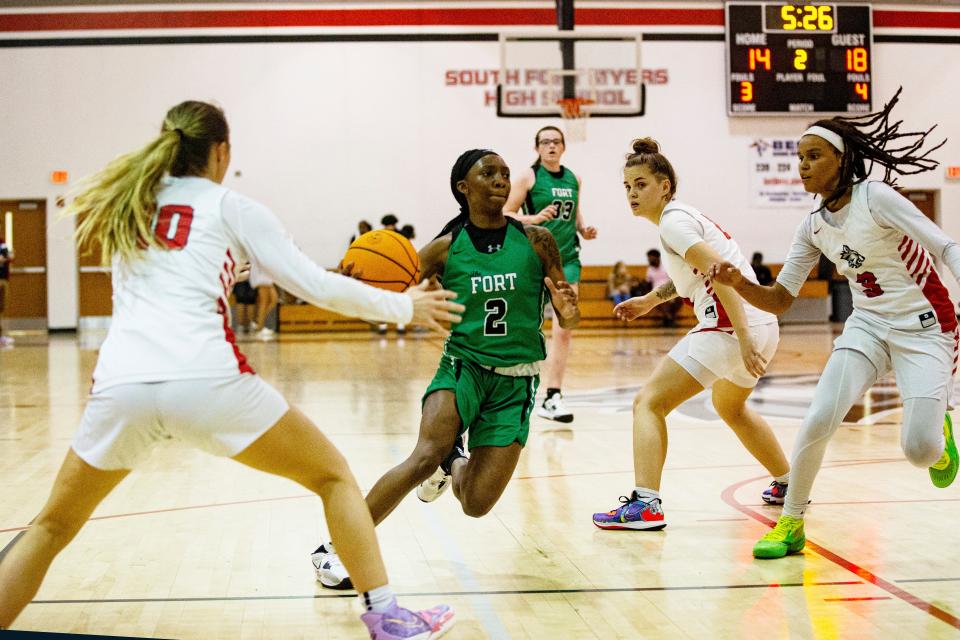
(352, 114)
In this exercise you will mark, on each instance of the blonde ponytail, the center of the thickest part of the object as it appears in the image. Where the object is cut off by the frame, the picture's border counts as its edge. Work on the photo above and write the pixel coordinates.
(117, 205)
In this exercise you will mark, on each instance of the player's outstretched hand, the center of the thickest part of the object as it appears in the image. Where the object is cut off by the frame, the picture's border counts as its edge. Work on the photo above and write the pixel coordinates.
(563, 296)
(430, 308)
(589, 233)
(635, 307)
(727, 274)
(350, 270)
(549, 212)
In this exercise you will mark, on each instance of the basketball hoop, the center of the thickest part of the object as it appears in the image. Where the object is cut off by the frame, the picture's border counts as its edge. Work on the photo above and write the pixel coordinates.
(575, 117)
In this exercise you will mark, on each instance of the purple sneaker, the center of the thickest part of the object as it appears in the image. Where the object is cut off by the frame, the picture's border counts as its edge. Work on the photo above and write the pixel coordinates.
(775, 493)
(633, 513)
(402, 624)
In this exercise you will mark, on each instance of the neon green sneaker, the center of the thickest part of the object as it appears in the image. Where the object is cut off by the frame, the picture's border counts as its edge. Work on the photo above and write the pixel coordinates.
(786, 537)
(945, 470)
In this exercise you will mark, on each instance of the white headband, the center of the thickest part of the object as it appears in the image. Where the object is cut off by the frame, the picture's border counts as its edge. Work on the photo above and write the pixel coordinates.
(826, 134)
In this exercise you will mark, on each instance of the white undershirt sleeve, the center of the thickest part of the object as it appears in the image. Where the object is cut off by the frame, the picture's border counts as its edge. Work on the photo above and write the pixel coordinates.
(680, 231)
(801, 259)
(262, 236)
(892, 210)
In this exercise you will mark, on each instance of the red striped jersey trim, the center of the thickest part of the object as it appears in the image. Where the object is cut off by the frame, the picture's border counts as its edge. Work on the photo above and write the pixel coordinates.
(224, 310)
(938, 297)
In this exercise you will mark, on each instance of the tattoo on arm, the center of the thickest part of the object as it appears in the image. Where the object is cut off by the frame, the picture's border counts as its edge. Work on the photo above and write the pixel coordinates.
(666, 291)
(546, 247)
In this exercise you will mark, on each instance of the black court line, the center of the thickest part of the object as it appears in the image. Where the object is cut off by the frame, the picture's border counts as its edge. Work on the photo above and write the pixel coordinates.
(930, 580)
(9, 545)
(511, 592)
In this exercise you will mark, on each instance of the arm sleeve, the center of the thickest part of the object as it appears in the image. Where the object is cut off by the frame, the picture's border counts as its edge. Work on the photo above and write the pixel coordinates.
(267, 243)
(892, 210)
(680, 231)
(801, 259)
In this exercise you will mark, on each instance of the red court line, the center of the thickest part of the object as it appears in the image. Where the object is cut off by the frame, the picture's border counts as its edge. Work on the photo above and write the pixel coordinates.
(728, 496)
(856, 599)
(186, 508)
(310, 495)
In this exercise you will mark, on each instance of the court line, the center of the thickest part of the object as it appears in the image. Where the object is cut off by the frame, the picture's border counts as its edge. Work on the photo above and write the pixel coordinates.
(728, 496)
(857, 599)
(930, 580)
(311, 495)
(499, 592)
(846, 502)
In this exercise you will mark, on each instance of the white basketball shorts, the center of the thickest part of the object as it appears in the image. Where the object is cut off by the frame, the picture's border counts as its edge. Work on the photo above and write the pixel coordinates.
(923, 362)
(222, 416)
(709, 356)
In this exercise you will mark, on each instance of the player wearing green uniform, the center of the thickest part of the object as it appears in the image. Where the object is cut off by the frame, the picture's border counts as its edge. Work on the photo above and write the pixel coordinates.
(502, 272)
(548, 194)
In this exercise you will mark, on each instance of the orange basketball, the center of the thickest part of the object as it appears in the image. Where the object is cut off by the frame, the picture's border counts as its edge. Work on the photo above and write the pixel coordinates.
(385, 259)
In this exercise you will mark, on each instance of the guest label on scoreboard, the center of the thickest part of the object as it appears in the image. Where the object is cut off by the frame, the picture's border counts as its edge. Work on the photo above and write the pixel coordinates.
(793, 59)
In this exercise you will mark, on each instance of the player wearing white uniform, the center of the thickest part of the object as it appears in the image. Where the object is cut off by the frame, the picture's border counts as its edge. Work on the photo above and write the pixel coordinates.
(903, 318)
(169, 366)
(728, 349)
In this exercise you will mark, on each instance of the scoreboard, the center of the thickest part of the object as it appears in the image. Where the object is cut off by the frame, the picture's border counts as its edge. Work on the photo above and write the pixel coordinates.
(798, 59)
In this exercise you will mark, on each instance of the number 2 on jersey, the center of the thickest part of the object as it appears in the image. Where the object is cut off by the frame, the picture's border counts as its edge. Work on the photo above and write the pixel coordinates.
(494, 324)
(173, 225)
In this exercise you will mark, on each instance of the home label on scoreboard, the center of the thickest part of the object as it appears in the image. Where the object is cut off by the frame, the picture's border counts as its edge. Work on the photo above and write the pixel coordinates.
(798, 59)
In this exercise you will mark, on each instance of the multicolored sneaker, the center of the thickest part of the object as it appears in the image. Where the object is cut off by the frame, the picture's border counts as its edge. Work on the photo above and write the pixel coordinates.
(399, 623)
(775, 493)
(633, 513)
(944, 471)
(787, 537)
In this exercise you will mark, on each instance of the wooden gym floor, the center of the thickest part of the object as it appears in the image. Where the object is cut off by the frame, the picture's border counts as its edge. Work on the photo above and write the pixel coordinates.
(196, 547)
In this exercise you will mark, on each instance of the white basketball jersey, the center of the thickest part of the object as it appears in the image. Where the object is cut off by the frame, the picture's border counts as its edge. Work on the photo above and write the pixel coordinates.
(695, 286)
(170, 307)
(892, 277)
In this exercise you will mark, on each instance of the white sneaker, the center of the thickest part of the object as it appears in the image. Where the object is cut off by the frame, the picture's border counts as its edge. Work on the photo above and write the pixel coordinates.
(266, 334)
(431, 488)
(330, 571)
(6, 341)
(554, 409)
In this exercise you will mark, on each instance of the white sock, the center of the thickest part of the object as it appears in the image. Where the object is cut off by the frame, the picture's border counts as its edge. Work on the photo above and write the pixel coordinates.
(378, 600)
(784, 479)
(647, 494)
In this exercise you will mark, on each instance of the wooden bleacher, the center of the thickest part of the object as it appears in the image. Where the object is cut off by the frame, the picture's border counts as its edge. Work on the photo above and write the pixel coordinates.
(596, 310)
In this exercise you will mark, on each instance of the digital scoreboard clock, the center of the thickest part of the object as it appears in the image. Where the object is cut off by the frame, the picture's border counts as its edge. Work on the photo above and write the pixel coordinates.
(798, 59)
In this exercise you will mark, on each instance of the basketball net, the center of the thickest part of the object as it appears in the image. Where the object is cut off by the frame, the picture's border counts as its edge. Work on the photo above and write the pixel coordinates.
(575, 117)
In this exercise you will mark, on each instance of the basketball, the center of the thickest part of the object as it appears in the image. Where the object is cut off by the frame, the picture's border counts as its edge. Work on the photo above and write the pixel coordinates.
(384, 259)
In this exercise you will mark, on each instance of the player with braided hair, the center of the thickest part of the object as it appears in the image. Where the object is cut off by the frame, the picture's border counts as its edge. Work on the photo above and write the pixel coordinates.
(903, 317)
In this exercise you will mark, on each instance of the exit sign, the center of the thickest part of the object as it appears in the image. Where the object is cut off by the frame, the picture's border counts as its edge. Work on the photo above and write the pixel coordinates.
(953, 173)
(59, 177)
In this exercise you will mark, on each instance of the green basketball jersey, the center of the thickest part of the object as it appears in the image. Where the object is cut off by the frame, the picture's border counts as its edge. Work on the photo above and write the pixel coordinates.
(562, 190)
(504, 295)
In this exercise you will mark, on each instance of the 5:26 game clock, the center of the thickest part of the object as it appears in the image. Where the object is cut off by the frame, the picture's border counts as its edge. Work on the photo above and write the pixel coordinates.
(792, 59)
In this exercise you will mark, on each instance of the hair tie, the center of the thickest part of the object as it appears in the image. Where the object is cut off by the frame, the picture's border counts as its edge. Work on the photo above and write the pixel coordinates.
(180, 133)
(822, 132)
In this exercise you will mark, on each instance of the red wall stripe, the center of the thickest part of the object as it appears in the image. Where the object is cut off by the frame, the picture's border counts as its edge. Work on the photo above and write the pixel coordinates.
(424, 17)
(917, 19)
(274, 18)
